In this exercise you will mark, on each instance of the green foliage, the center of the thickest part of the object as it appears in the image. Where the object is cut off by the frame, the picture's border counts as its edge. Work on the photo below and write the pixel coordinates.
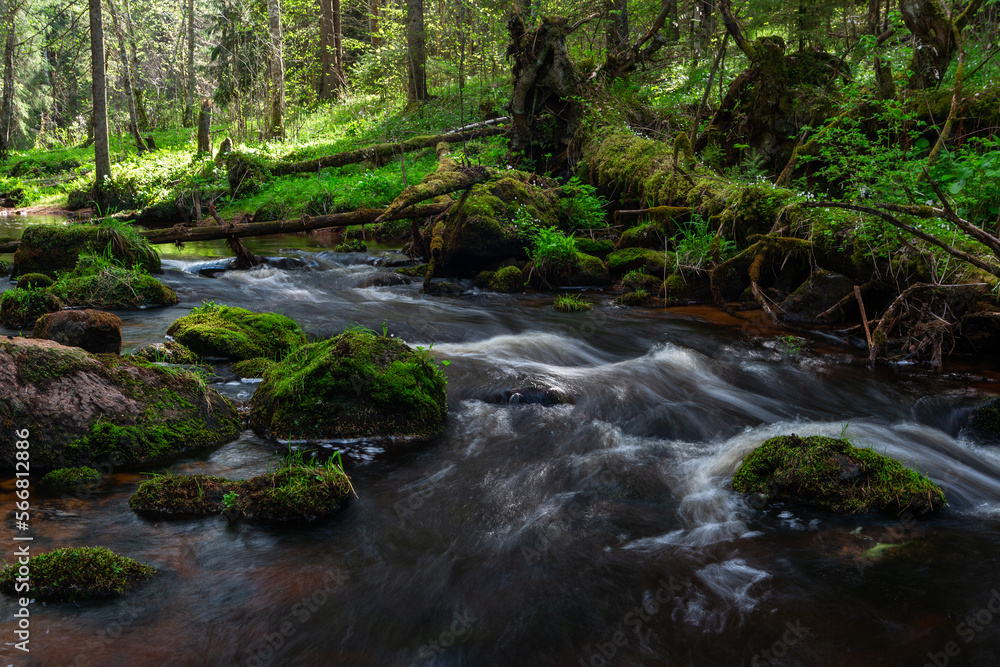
(252, 368)
(20, 308)
(552, 251)
(583, 208)
(571, 303)
(102, 282)
(83, 573)
(833, 474)
(696, 246)
(36, 280)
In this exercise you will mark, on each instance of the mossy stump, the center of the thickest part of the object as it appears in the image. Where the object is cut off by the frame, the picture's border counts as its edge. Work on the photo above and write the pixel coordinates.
(834, 475)
(355, 385)
(225, 332)
(82, 573)
(293, 494)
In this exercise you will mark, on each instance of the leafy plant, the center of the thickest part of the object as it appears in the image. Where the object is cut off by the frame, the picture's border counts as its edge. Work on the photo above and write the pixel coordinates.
(696, 245)
(552, 252)
(571, 303)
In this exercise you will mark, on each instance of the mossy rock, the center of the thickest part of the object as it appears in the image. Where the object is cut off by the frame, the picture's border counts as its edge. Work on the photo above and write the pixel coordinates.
(818, 294)
(417, 271)
(484, 278)
(66, 478)
(835, 475)
(985, 420)
(29, 280)
(53, 249)
(82, 408)
(93, 330)
(80, 573)
(628, 259)
(21, 308)
(354, 385)
(226, 332)
(507, 279)
(646, 235)
(636, 280)
(639, 297)
(599, 248)
(291, 494)
(252, 368)
(675, 287)
(114, 288)
(588, 271)
(354, 245)
(169, 352)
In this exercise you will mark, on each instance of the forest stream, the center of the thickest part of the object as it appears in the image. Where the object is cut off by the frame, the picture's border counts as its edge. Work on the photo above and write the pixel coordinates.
(598, 532)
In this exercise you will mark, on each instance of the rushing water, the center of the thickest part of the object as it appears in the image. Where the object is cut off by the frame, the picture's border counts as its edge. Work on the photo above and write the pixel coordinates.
(598, 532)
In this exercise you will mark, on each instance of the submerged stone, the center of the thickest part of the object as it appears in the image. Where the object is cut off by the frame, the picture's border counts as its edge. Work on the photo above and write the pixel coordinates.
(225, 332)
(82, 573)
(81, 408)
(355, 385)
(835, 475)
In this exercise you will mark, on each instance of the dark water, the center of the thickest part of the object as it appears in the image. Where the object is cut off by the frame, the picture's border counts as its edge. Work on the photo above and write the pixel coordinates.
(600, 532)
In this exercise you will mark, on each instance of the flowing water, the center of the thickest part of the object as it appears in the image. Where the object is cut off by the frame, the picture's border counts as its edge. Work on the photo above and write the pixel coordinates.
(599, 532)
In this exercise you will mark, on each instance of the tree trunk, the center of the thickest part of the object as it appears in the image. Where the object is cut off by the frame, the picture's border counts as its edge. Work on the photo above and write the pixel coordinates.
(188, 119)
(137, 87)
(929, 22)
(416, 60)
(616, 37)
(375, 11)
(672, 27)
(102, 151)
(129, 96)
(205, 127)
(276, 129)
(7, 105)
(331, 50)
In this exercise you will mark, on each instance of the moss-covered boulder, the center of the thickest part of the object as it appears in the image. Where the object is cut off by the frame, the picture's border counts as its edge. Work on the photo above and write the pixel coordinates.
(94, 283)
(225, 332)
(639, 279)
(628, 259)
(82, 408)
(507, 279)
(588, 271)
(170, 352)
(835, 475)
(30, 280)
(81, 573)
(67, 478)
(252, 368)
(93, 330)
(493, 223)
(639, 297)
(984, 421)
(599, 248)
(647, 235)
(355, 385)
(353, 245)
(53, 249)
(21, 308)
(816, 296)
(418, 271)
(291, 494)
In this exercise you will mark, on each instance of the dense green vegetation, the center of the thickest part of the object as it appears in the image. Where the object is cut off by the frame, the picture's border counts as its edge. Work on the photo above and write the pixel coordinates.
(81, 573)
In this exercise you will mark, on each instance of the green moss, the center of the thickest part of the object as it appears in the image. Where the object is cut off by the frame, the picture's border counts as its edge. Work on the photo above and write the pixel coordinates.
(63, 478)
(639, 297)
(291, 494)
(252, 368)
(354, 245)
(417, 271)
(675, 286)
(29, 280)
(226, 332)
(112, 287)
(637, 279)
(355, 385)
(835, 475)
(985, 420)
(627, 259)
(169, 352)
(21, 308)
(83, 573)
(600, 248)
(646, 235)
(507, 279)
(52, 249)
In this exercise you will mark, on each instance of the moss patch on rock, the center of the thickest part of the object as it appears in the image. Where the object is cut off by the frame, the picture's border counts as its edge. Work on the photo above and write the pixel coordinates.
(507, 279)
(226, 332)
(82, 573)
(354, 385)
(65, 478)
(835, 475)
(96, 283)
(83, 408)
(252, 368)
(418, 271)
(21, 308)
(627, 259)
(353, 245)
(599, 248)
(53, 249)
(292, 494)
(169, 352)
(29, 280)
(985, 420)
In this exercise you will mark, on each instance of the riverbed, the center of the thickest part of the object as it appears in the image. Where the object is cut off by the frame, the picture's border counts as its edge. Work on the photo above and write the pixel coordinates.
(599, 532)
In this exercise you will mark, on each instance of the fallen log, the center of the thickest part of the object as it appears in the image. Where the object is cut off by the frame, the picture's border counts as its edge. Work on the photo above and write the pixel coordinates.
(382, 151)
